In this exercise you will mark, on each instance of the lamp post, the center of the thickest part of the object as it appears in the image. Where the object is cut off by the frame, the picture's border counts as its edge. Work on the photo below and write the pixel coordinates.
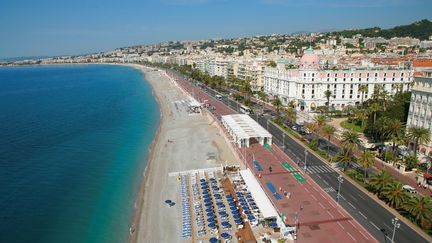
(396, 224)
(283, 141)
(340, 180)
(305, 159)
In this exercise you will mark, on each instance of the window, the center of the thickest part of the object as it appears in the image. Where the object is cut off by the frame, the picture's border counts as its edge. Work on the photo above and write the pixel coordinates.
(328, 74)
(384, 79)
(350, 96)
(328, 79)
(385, 74)
(367, 79)
(351, 79)
(343, 96)
(344, 79)
(304, 75)
(360, 75)
(402, 74)
(328, 86)
(376, 74)
(394, 74)
(313, 74)
(393, 79)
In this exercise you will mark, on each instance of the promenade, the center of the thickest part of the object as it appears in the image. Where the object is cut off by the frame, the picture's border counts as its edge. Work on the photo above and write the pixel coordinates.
(318, 217)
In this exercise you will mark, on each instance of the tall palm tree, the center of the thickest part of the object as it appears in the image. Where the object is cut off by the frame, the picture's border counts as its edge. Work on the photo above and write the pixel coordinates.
(328, 95)
(290, 114)
(362, 89)
(328, 131)
(419, 135)
(420, 208)
(394, 131)
(373, 109)
(366, 160)
(277, 104)
(350, 140)
(395, 194)
(379, 180)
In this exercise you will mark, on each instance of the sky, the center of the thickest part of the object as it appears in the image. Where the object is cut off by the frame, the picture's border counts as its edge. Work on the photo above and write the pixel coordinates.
(71, 27)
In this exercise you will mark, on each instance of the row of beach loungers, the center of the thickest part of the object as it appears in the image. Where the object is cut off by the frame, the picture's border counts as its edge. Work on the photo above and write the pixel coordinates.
(186, 217)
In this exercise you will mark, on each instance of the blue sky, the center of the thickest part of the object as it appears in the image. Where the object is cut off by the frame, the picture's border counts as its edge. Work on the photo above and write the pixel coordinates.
(63, 27)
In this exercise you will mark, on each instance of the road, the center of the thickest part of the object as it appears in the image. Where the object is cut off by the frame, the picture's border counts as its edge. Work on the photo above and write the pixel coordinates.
(369, 213)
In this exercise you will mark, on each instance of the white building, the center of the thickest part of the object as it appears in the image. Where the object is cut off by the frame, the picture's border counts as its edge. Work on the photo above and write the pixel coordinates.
(307, 85)
(420, 111)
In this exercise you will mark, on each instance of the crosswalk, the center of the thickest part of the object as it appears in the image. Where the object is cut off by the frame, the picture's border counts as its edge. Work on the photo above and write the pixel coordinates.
(317, 169)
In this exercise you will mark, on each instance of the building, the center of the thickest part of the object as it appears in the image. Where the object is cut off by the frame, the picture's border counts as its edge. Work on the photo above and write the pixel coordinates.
(307, 84)
(420, 111)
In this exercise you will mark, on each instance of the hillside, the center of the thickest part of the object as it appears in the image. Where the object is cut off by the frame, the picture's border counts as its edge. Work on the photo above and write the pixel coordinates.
(421, 29)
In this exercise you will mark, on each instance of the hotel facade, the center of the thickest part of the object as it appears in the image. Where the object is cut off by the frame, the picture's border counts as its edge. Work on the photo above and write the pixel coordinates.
(420, 111)
(306, 85)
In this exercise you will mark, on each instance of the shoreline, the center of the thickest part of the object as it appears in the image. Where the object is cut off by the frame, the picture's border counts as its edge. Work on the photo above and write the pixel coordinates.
(139, 199)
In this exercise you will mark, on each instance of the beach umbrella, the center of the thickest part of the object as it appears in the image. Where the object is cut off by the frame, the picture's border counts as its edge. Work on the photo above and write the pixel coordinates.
(208, 204)
(212, 226)
(202, 179)
(225, 235)
(168, 201)
(273, 225)
(251, 218)
(206, 196)
(210, 214)
(213, 240)
(208, 210)
(236, 216)
(238, 221)
(226, 224)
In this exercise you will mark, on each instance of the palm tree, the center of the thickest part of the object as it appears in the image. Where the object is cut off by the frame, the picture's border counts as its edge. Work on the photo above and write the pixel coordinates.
(344, 157)
(328, 131)
(360, 115)
(374, 108)
(320, 120)
(363, 89)
(394, 131)
(366, 160)
(380, 180)
(350, 140)
(328, 95)
(419, 135)
(395, 194)
(290, 114)
(420, 208)
(277, 104)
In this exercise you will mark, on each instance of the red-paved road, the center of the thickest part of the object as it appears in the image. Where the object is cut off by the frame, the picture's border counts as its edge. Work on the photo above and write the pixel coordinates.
(321, 219)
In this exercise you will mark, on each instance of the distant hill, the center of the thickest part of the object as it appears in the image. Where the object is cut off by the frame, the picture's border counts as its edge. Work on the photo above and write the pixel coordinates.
(421, 29)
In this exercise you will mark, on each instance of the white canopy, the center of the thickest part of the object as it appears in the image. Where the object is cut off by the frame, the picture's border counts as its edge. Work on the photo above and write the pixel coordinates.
(243, 127)
(262, 201)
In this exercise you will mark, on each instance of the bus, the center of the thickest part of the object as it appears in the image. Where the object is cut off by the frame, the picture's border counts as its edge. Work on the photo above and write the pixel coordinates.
(245, 109)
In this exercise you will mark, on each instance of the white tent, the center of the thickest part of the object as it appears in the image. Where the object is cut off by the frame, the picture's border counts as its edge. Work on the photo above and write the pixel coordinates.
(242, 128)
(262, 201)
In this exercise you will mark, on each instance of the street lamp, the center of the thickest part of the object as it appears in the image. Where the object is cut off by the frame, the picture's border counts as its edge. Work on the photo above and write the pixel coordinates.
(305, 159)
(396, 224)
(340, 180)
(283, 141)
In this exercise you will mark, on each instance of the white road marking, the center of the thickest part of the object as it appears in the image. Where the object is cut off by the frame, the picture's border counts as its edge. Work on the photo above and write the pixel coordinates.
(374, 225)
(314, 197)
(353, 224)
(340, 225)
(307, 190)
(352, 205)
(361, 232)
(319, 176)
(343, 197)
(352, 237)
(326, 182)
(362, 215)
(321, 205)
(331, 215)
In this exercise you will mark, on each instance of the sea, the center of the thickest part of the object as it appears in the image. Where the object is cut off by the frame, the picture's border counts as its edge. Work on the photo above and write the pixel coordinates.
(74, 141)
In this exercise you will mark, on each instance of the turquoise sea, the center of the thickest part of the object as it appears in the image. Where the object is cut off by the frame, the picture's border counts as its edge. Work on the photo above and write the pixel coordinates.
(73, 144)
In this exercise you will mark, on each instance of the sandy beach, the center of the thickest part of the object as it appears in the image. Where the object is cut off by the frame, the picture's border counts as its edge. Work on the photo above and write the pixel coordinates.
(184, 142)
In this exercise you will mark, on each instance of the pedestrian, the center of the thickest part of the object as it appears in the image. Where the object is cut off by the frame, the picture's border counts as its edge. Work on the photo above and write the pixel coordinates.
(286, 194)
(301, 207)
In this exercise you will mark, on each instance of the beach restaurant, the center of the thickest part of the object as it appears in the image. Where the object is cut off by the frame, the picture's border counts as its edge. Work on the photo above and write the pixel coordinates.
(264, 204)
(243, 128)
